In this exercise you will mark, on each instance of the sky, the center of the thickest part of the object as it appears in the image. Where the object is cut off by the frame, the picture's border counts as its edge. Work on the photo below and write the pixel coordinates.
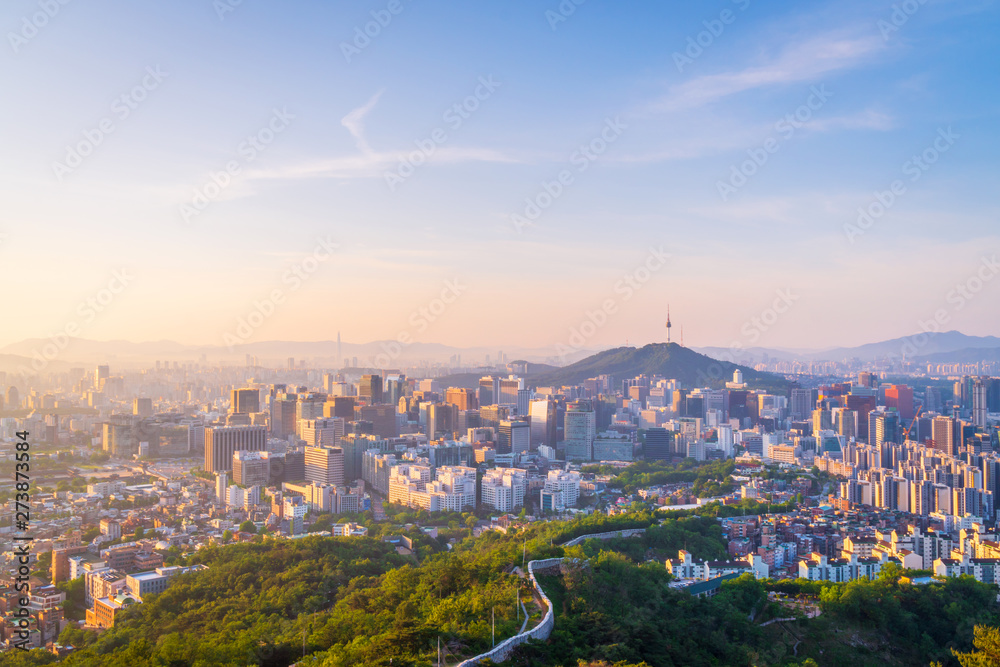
(499, 173)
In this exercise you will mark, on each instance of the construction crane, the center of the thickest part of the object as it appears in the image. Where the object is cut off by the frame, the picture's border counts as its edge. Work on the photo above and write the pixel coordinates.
(906, 431)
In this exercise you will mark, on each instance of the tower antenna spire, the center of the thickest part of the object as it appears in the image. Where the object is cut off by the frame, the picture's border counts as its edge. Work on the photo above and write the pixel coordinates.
(668, 324)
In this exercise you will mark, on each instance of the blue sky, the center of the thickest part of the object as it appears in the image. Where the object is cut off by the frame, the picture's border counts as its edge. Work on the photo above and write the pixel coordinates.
(555, 86)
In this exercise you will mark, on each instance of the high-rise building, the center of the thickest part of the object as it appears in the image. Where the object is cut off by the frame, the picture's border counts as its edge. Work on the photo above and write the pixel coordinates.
(394, 388)
(543, 423)
(383, 419)
(492, 415)
(513, 436)
(102, 373)
(463, 399)
(339, 406)
(142, 407)
(503, 489)
(943, 435)
(325, 465)
(869, 380)
(900, 396)
(489, 390)
(120, 438)
(847, 423)
(251, 468)
(442, 420)
(508, 391)
(883, 428)
(659, 444)
(822, 420)
(979, 401)
(580, 431)
(561, 490)
(801, 404)
(370, 389)
(221, 442)
(283, 408)
(244, 401)
(309, 406)
(325, 432)
(932, 400)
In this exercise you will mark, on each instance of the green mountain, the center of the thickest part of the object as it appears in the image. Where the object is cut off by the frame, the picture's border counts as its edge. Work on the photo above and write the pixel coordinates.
(666, 359)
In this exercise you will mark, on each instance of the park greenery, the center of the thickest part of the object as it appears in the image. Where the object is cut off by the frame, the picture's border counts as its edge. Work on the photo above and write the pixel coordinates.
(332, 602)
(709, 478)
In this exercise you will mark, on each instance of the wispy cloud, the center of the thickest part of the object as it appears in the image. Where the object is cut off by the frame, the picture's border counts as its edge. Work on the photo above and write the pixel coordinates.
(802, 62)
(370, 163)
(354, 122)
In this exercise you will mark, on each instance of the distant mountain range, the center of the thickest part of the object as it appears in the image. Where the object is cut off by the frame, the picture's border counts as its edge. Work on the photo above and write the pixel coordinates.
(376, 354)
(947, 346)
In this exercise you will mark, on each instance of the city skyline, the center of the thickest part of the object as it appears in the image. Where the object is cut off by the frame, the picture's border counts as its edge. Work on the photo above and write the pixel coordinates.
(624, 129)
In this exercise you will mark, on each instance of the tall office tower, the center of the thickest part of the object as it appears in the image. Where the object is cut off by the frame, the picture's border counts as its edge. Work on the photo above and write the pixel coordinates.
(943, 435)
(866, 379)
(394, 388)
(513, 436)
(524, 402)
(283, 408)
(543, 423)
(659, 444)
(355, 445)
(992, 394)
(308, 406)
(883, 428)
(991, 475)
(325, 465)
(442, 420)
(102, 373)
(725, 443)
(822, 420)
(13, 398)
(963, 392)
(508, 391)
(221, 442)
(464, 399)
(142, 407)
(119, 436)
(295, 465)
(468, 419)
(800, 407)
(244, 401)
(847, 423)
(324, 432)
(383, 419)
(900, 396)
(580, 431)
(932, 400)
(863, 405)
(251, 468)
(492, 415)
(489, 390)
(339, 406)
(370, 389)
(979, 406)
(329, 380)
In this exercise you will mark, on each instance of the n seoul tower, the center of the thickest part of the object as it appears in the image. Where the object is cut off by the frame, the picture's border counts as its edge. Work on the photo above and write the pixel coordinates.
(668, 325)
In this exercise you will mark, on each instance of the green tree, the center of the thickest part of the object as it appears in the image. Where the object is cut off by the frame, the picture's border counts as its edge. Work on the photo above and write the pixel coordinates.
(248, 527)
(987, 648)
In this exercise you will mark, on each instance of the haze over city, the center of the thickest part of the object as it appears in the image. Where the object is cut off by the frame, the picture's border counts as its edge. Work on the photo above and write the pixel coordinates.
(568, 333)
